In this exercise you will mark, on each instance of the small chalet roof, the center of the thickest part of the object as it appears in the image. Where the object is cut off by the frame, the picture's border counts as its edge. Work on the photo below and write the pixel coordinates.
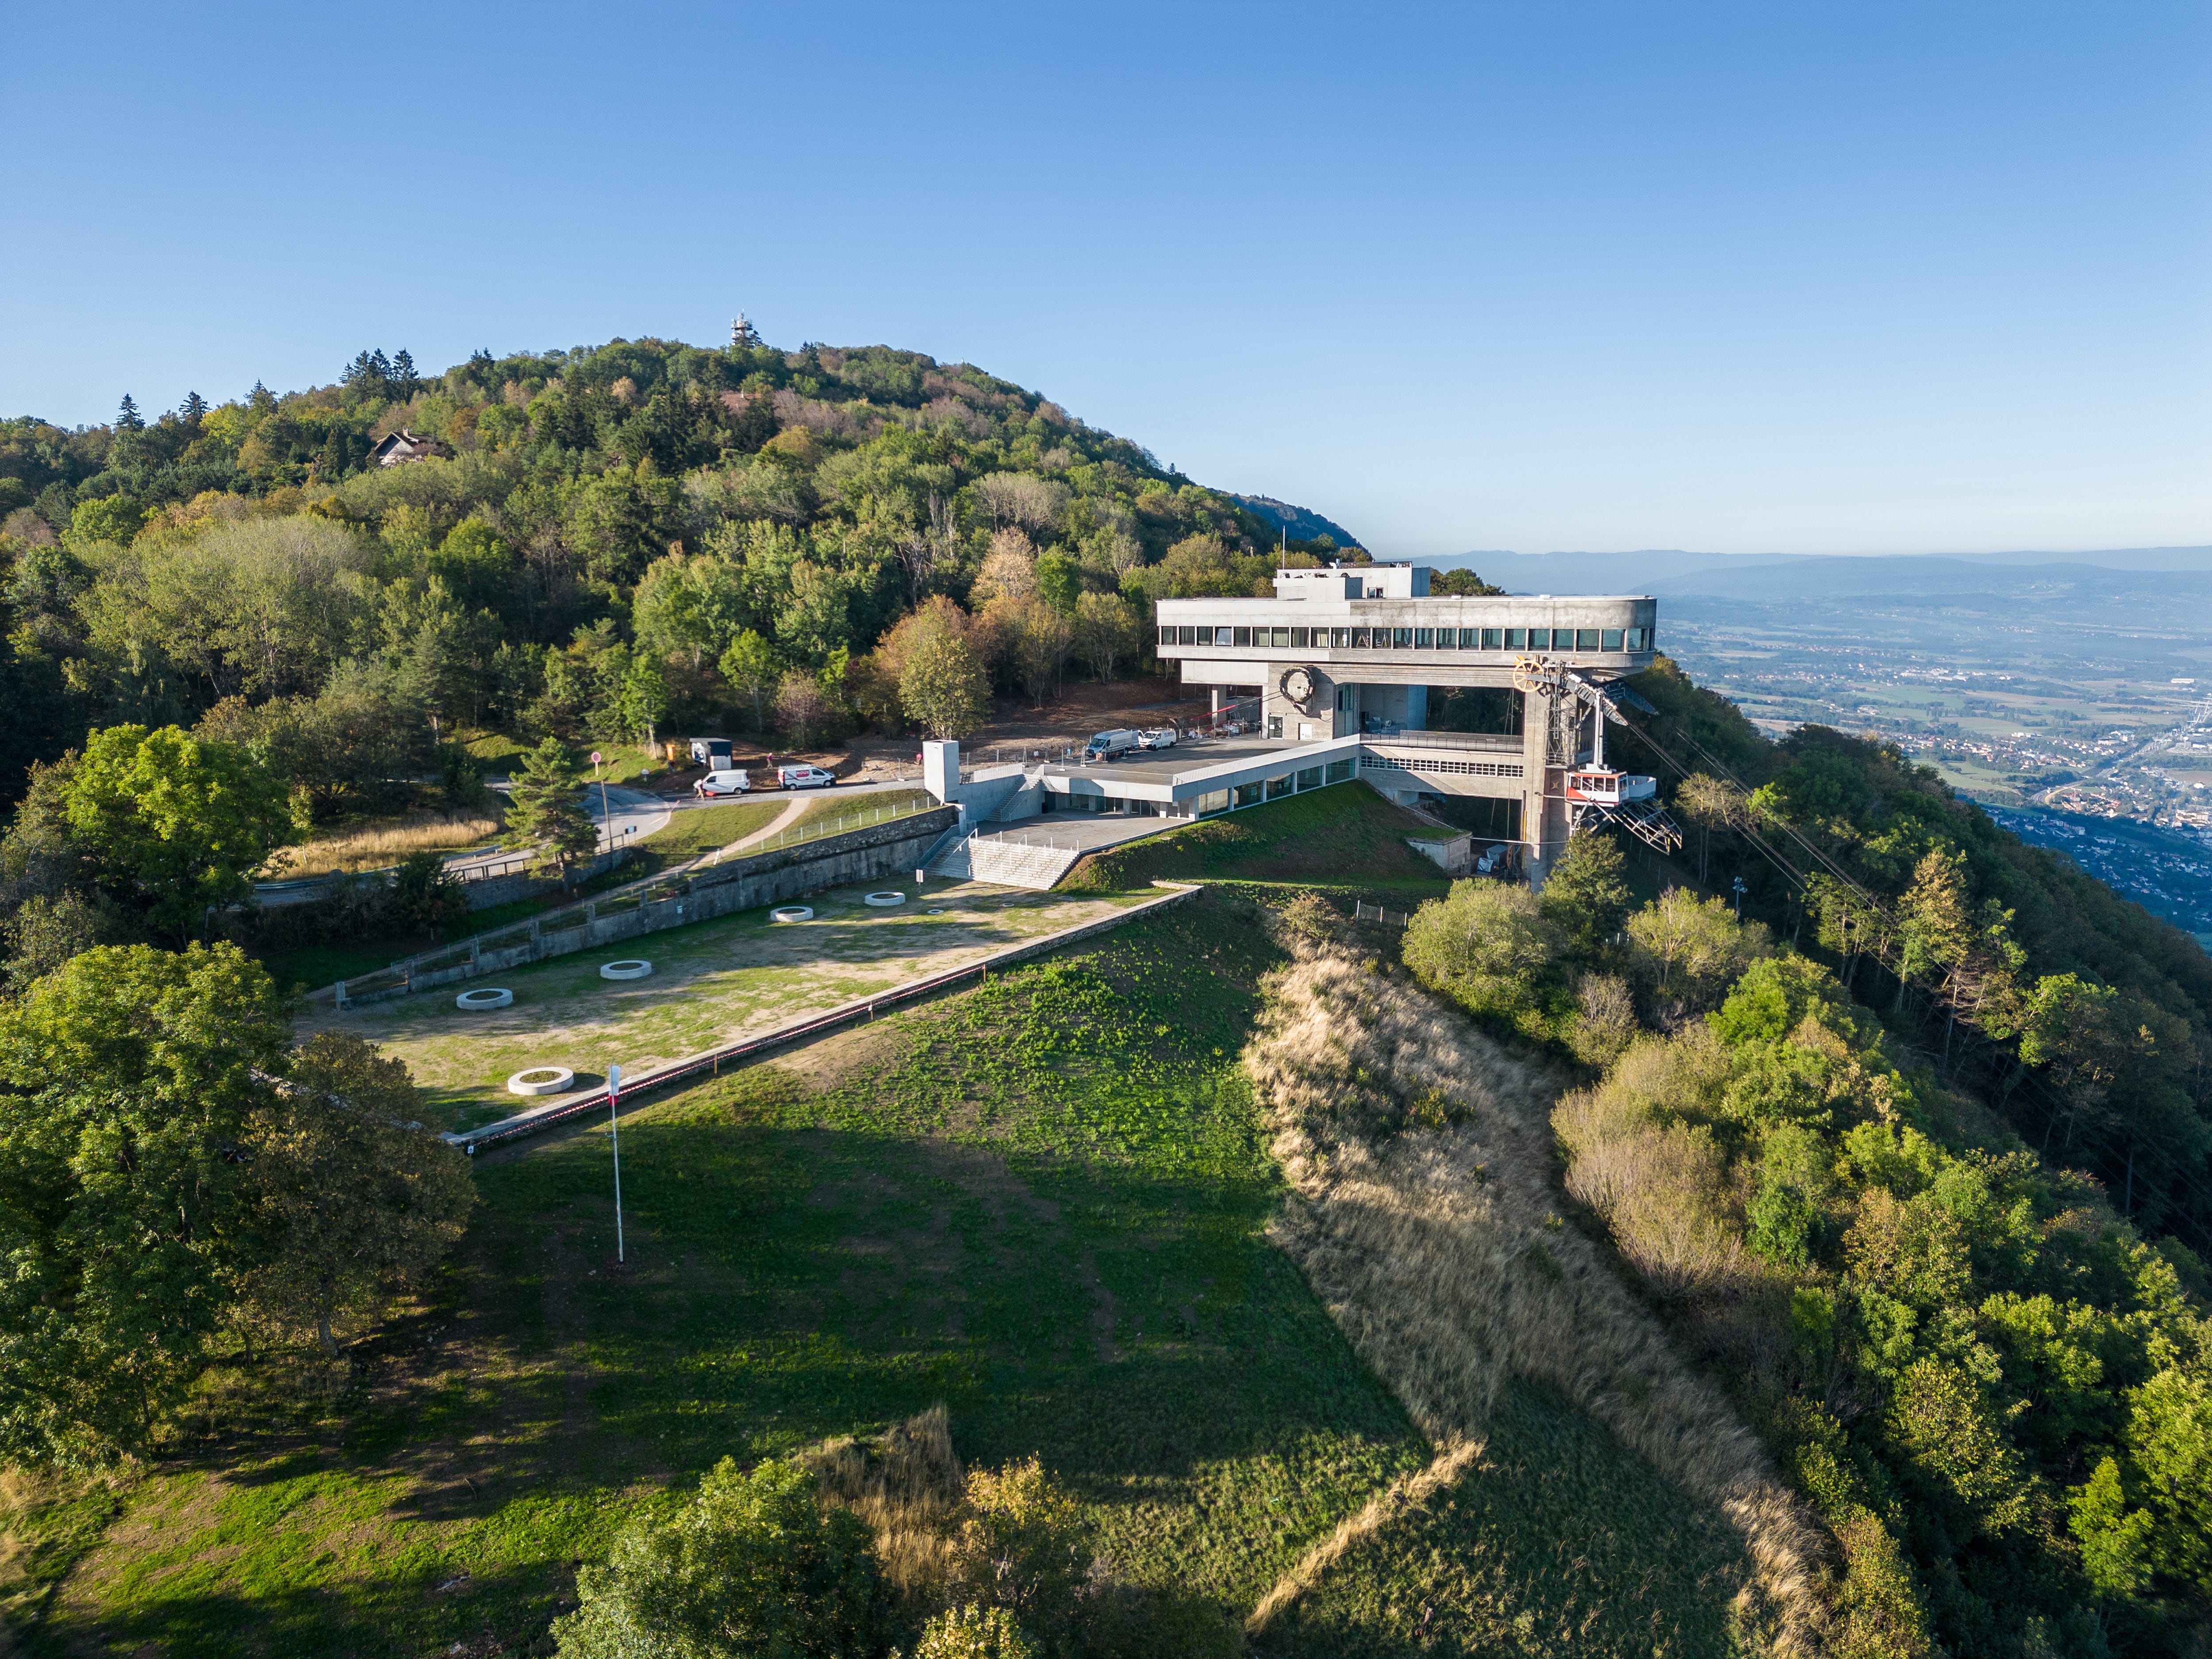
(405, 446)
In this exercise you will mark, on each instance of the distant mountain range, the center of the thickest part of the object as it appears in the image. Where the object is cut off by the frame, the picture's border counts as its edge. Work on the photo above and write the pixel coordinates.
(1675, 573)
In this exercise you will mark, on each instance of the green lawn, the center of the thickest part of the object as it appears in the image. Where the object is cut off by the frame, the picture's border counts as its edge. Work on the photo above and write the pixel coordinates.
(1550, 1549)
(1345, 836)
(713, 982)
(691, 830)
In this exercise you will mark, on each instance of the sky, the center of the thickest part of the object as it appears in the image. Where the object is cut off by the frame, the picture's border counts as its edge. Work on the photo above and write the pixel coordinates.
(1773, 278)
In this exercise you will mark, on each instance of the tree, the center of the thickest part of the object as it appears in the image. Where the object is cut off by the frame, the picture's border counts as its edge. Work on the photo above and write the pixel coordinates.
(942, 687)
(128, 1081)
(1584, 897)
(1060, 581)
(1037, 640)
(1009, 569)
(359, 1199)
(128, 419)
(975, 1632)
(174, 824)
(1107, 630)
(750, 669)
(1462, 584)
(424, 897)
(1484, 945)
(1685, 952)
(754, 1564)
(546, 814)
(803, 708)
(642, 703)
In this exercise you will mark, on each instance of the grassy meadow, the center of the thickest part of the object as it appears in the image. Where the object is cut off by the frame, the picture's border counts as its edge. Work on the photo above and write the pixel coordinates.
(1045, 1202)
(1341, 838)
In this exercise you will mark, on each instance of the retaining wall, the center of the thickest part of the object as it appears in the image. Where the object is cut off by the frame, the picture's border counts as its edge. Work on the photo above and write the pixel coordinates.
(878, 852)
(710, 1062)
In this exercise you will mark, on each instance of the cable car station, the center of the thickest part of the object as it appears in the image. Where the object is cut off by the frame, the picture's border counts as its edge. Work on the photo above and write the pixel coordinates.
(1335, 672)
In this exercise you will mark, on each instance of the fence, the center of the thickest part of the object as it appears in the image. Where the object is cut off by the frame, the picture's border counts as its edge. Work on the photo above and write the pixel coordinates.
(760, 875)
(709, 1063)
(817, 829)
(1376, 913)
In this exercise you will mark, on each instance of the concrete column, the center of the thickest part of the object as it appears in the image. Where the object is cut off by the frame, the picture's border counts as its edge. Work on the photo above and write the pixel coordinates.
(1543, 790)
(941, 768)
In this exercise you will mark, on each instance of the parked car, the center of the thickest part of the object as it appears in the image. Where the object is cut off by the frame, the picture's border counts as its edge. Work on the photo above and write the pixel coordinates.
(1157, 737)
(721, 783)
(1105, 745)
(804, 777)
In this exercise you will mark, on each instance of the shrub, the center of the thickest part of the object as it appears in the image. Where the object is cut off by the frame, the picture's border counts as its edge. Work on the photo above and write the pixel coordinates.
(973, 1632)
(1584, 898)
(1485, 945)
(1684, 952)
(752, 1564)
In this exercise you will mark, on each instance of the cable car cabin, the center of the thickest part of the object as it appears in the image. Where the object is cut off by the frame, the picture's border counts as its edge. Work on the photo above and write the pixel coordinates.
(1603, 787)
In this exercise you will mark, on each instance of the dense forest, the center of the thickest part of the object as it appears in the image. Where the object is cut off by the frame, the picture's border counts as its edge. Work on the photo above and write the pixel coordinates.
(593, 543)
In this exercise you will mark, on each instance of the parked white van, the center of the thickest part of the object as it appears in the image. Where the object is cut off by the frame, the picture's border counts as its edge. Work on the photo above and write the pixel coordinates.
(1106, 746)
(734, 783)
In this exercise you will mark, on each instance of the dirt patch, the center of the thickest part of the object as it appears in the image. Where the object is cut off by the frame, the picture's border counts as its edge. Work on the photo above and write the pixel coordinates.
(840, 1058)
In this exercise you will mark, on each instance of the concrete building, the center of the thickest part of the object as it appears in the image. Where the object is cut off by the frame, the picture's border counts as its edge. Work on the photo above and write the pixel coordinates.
(1340, 664)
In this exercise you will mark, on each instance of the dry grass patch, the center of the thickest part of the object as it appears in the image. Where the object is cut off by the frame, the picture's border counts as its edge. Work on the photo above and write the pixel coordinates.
(377, 846)
(1443, 1254)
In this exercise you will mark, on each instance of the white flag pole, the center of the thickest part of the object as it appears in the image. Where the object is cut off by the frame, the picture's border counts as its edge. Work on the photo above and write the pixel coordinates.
(614, 1123)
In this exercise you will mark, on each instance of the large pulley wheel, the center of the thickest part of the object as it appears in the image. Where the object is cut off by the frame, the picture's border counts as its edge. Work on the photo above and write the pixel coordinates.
(1534, 674)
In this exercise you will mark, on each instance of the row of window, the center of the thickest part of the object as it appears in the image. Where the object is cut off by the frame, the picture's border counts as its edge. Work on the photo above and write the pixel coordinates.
(1412, 639)
(1251, 794)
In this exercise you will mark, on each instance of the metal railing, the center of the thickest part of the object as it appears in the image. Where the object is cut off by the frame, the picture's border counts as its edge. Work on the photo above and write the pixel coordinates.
(817, 829)
(1361, 912)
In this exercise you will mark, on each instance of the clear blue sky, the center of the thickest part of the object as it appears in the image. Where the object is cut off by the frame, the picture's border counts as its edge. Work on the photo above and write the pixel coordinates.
(1792, 277)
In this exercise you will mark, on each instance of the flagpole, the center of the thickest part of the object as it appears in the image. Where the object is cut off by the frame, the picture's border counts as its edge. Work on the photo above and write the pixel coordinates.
(614, 1123)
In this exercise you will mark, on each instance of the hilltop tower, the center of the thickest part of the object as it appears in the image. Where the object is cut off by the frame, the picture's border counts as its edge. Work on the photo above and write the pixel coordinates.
(743, 335)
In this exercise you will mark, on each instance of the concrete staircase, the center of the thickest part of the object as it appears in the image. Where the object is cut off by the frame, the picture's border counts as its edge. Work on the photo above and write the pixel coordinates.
(1004, 862)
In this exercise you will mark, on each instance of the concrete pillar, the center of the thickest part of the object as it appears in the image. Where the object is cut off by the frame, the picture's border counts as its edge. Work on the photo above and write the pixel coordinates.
(1543, 790)
(941, 768)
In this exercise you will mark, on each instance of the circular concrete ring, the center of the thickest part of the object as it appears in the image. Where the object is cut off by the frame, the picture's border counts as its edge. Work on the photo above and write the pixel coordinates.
(633, 969)
(791, 913)
(935, 913)
(477, 1002)
(883, 901)
(541, 1080)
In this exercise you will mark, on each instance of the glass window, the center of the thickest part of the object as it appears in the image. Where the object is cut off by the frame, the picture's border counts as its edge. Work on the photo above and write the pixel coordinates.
(1402, 638)
(1424, 639)
(1359, 639)
(1283, 638)
(1244, 638)
(1278, 788)
(1185, 636)
(1493, 639)
(1340, 771)
(1310, 778)
(1611, 641)
(1339, 638)
(1515, 639)
(1585, 639)
(1635, 640)
(1298, 639)
(1248, 794)
(1166, 635)
(1468, 638)
(1216, 802)
(1274, 726)
(1221, 637)
(1563, 639)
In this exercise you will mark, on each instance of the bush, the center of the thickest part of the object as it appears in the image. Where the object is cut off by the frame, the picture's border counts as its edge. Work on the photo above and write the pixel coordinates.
(1485, 945)
(973, 1632)
(753, 1563)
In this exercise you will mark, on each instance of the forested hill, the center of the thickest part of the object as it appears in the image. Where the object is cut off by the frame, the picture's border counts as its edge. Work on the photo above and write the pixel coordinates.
(577, 511)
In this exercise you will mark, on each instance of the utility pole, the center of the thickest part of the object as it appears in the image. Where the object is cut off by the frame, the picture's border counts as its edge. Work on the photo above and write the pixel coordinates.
(1738, 898)
(606, 824)
(614, 1125)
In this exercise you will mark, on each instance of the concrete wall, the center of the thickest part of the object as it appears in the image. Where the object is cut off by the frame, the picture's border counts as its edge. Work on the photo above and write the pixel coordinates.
(880, 852)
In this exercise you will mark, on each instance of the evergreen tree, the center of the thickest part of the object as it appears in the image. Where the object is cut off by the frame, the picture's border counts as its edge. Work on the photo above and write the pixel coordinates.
(1584, 897)
(127, 418)
(379, 367)
(402, 371)
(546, 814)
(195, 407)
